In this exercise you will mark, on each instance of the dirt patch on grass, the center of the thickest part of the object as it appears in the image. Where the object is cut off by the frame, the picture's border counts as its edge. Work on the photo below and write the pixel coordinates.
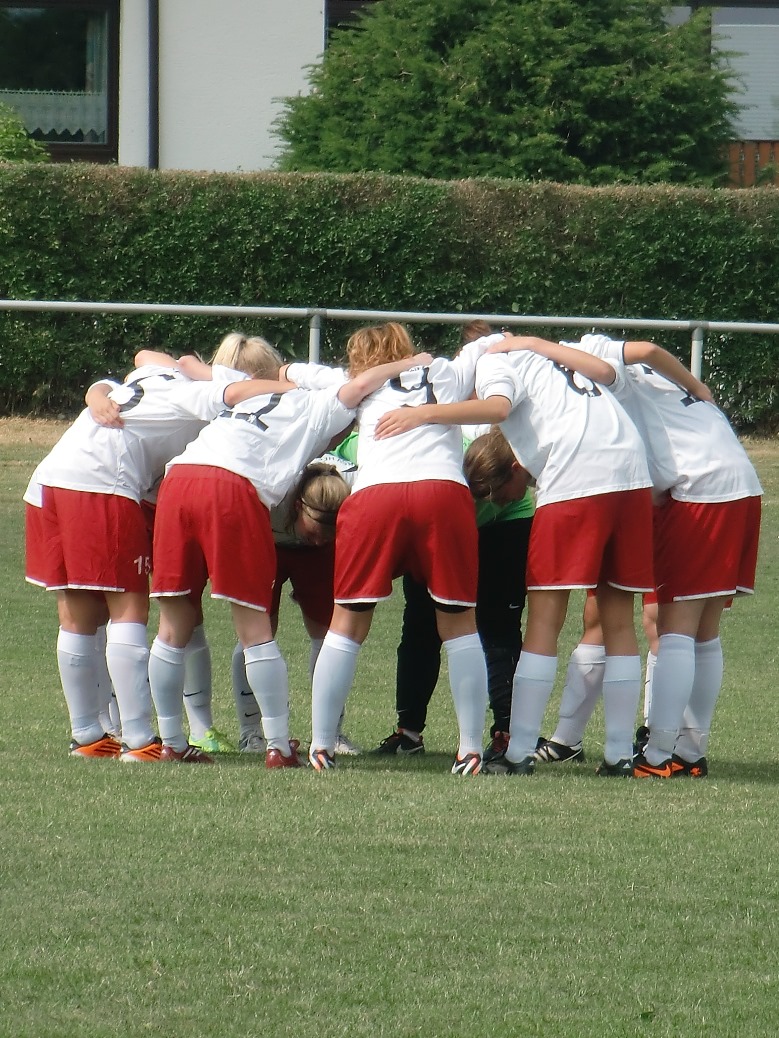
(41, 432)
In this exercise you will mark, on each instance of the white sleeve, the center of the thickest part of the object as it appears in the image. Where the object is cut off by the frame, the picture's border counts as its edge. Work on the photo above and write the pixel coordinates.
(601, 346)
(315, 376)
(220, 373)
(106, 382)
(495, 376)
(464, 364)
(202, 400)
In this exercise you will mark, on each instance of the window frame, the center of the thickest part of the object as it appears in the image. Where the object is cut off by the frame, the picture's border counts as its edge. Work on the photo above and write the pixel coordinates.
(89, 152)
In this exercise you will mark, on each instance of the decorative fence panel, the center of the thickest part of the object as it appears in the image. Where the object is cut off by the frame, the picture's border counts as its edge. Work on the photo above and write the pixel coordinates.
(754, 163)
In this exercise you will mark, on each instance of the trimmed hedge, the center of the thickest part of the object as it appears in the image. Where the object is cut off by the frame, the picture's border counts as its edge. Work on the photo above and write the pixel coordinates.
(95, 233)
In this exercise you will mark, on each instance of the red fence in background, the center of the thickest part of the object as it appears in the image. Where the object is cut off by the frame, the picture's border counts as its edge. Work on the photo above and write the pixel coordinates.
(754, 162)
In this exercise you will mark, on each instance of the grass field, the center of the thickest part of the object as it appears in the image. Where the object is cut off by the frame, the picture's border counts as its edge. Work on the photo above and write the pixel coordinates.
(386, 898)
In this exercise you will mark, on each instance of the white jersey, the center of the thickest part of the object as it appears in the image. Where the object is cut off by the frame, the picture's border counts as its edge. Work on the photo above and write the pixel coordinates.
(429, 451)
(269, 439)
(571, 434)
(221, 373)
(162, 411)
(315, 376)
(694, 453)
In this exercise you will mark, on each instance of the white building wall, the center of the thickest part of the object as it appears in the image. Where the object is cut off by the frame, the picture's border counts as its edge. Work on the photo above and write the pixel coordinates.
(223, 66)
(752, 35)
(133, 83)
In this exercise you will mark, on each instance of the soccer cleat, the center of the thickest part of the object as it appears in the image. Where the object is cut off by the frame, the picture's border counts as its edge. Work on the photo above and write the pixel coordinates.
(497, 746)
(345, 746)
(470, 764)
(399, 743)
(189, 755)
(643, 769)
(622, 769)
(151, 752)
(105, 746)
(213, 741)
(252, 742)
(691, 769)
(321, 760)
(276, 759)
(503, 766)
(642, 738)
(550, 752)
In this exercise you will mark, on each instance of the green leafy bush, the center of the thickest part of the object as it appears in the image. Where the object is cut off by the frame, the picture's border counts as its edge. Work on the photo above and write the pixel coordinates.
(15, 145)
(370, 241)
(576, 91)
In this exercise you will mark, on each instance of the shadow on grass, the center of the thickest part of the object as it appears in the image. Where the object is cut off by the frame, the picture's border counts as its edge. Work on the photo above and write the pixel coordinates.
(764, 773)
(760, 773)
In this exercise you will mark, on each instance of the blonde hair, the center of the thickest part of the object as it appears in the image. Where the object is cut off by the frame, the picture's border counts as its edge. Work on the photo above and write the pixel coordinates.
(379, 344)
(488, 463)
(322, 491)
(253, 355)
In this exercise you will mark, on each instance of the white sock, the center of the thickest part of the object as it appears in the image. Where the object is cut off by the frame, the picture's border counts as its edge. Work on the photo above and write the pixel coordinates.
(468, 682)
(333, 677)
(166, 674)
(671, 688)
(246, 706)
(583, 684)
(651, 660)
(197, 684)
(78, 676)
(533, 682)
(127, 653)
(621, 693)
(266, 673)
(109, 719)
(696, 722)
(316, 648)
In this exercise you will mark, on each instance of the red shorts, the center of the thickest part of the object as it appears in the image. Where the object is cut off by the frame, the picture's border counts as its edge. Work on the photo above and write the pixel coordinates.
(310, 571)
(149, 508)
(84, 541)
(425, 528)
(604, 539)
(706, 550)
(210, 523)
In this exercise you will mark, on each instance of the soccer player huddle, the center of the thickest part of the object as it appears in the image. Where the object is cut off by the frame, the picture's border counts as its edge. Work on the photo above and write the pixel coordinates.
(187, 473)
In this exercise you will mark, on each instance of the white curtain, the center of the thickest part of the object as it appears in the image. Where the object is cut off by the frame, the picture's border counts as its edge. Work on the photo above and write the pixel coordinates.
(51, 111)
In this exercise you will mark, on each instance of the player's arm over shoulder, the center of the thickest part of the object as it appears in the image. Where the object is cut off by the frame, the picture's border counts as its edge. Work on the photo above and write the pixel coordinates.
(664, 363)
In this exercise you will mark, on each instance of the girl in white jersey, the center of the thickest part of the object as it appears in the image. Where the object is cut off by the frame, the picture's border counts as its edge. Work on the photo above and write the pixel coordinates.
(584, 677)
(87, 541)
(409, 511)
(592, 525)
(238, 356)
(213, 523)
(303, 527)
(706, 530)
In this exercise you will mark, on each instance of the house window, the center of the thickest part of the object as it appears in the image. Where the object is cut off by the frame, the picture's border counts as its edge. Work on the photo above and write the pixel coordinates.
(59, 70)
(343, 14)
